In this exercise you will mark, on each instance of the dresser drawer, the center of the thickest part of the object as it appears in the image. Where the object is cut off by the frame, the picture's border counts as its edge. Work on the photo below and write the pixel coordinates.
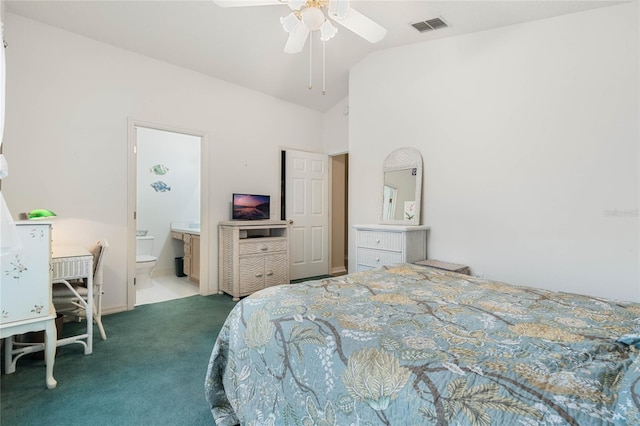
(362, 268)
(376, 258)
(380, 240)
(264, 246)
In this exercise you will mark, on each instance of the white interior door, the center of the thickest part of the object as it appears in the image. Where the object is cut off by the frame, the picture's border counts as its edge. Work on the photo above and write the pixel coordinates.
(306, 199)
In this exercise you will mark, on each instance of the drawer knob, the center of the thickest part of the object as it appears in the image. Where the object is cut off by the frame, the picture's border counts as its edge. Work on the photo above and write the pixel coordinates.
(377, 241)
(378, 259)
(269, 273)
(258, 275)
(264, 248)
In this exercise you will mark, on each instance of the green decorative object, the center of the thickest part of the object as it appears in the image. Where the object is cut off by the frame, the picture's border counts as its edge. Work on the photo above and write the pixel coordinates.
(41, 213)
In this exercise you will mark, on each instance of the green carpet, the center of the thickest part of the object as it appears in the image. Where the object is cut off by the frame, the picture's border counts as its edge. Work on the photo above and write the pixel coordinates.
(319, 277)
(149, 371)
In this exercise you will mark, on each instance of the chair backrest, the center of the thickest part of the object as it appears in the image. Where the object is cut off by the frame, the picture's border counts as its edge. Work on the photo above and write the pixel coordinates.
(99, 251)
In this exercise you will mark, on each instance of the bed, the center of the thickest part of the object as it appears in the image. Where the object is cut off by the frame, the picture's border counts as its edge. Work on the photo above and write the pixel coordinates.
(408, 345)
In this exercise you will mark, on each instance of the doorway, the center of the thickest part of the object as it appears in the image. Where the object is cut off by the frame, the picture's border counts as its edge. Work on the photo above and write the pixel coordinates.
(339, 214)
(315, 202)
(167, 188)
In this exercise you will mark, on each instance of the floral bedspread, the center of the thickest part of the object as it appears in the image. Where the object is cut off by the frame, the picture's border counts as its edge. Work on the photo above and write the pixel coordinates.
(411, 345)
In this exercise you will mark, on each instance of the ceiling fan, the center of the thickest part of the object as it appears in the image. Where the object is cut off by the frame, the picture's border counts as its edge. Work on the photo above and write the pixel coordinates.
(312, 15)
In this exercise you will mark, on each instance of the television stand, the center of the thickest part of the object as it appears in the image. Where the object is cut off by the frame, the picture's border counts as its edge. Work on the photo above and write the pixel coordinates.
(253, 254)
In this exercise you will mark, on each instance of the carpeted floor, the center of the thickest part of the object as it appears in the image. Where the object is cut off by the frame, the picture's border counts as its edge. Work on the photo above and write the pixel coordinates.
(149, 371)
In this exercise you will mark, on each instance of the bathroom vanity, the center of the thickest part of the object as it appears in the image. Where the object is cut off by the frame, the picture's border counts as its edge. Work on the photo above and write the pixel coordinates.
(190, 237)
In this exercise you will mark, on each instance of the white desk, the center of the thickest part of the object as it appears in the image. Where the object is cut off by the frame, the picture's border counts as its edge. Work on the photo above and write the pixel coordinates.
(70, 263)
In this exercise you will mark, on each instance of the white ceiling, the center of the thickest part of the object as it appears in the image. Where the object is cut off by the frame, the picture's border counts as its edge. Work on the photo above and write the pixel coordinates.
(244, 45)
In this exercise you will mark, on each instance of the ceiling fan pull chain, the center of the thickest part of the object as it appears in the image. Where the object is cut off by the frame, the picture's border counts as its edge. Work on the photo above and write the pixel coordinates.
(310, 60)
(324, 63)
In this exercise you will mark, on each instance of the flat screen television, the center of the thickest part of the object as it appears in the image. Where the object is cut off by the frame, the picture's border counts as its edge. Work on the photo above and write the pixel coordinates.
(251, 207)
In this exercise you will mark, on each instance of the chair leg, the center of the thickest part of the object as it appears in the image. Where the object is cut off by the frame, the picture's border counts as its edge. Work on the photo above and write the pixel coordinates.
(100, 327)
(97, 317)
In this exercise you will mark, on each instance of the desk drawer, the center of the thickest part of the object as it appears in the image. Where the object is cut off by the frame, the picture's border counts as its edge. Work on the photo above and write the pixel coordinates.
(70, 268)
(376, 258)
(391, 241)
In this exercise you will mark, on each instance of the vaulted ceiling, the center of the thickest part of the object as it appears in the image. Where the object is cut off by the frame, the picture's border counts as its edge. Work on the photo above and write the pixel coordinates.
(245, 45)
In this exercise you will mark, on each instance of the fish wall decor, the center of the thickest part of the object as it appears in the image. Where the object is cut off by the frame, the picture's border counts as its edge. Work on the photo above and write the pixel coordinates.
(159, 169)
(160, 186)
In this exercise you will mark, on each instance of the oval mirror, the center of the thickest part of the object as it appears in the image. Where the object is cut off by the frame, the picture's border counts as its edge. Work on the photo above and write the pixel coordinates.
(402, 187)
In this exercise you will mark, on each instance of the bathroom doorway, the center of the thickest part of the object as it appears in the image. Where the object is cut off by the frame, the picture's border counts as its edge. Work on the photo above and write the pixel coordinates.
(169, 194)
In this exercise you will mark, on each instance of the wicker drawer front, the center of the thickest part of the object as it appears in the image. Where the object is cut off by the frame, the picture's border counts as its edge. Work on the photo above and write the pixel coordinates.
(376, 258)
(71, 268)
(251, 274)
(391, 241)
(276, 270)
(266, 246)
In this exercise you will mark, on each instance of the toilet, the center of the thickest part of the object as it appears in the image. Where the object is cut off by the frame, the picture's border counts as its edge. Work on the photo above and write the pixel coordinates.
(145, 262)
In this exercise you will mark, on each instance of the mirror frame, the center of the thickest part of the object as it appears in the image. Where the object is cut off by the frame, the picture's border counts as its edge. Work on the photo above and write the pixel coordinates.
(403, 159)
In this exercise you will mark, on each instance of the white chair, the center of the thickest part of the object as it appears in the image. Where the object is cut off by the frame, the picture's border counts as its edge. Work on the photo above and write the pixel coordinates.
(70, 298)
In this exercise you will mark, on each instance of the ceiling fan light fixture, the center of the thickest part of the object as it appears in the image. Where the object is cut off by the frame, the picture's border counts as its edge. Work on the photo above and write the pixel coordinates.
(312, 18)
(327, 31)
(339, 9)
(290, 22)
(296, 4)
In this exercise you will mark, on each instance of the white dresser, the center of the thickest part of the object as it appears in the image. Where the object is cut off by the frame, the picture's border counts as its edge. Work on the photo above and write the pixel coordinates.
(252, 255)
(380, 245)
(25, 295)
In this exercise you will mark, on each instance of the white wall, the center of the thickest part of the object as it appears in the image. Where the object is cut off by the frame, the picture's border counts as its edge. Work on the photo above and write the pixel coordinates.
(181, 203)
(336, 128)
(529, 135)
(69, 99)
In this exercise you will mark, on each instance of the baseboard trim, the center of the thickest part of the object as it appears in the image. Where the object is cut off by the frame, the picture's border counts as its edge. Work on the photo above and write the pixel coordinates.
(114, 309)
(340, 270)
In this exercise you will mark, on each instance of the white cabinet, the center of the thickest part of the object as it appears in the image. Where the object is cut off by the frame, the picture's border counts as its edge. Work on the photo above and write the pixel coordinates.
(380, 245)
(252, 255)
(25, 292)
(25, 295)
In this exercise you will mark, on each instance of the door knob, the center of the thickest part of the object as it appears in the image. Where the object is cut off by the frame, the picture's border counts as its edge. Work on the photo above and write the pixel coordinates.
(290, 221)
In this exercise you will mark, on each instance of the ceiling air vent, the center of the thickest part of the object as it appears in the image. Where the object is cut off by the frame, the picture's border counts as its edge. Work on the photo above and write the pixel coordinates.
(429, 25)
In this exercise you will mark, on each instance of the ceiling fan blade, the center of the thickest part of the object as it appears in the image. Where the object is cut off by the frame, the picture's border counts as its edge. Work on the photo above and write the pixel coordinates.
(244, 3)
(297, 39)
(363, 26)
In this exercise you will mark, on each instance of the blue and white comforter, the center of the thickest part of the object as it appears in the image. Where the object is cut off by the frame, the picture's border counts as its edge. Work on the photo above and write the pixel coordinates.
(409, 345)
